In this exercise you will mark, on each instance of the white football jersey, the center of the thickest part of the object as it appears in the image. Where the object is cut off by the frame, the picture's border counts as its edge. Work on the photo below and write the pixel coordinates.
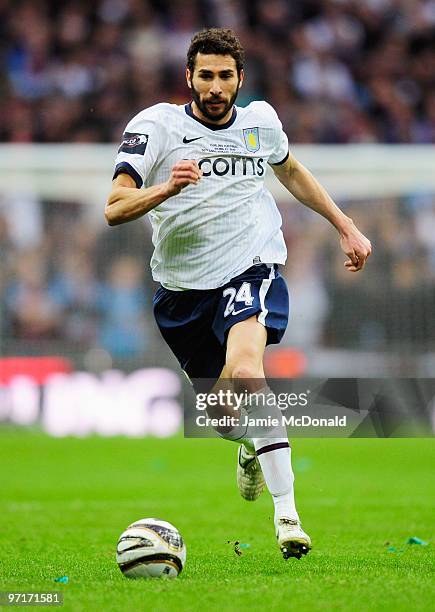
(212, 231)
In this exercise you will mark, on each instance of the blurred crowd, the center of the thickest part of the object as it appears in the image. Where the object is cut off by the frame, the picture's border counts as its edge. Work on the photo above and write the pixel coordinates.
(337, 71)
(82, 287)
(391, 305)
(65, 281)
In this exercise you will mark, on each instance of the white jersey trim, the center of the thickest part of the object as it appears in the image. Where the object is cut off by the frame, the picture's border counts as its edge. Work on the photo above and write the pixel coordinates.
(265, 286)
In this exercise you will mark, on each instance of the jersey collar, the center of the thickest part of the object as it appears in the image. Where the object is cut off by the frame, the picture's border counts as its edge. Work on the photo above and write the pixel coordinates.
(211, 126)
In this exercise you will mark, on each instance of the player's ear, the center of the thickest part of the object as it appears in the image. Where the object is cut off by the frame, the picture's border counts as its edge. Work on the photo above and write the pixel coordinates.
(241, 77)
(188, 78)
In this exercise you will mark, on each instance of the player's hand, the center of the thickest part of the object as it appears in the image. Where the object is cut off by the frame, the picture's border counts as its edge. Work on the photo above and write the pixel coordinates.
(356, 246)
(185, 172)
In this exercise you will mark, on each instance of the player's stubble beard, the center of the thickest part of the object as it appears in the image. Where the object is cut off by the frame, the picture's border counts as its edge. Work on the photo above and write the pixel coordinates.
(203, 105)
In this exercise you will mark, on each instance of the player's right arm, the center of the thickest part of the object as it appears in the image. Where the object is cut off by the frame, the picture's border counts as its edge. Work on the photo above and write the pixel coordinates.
(144, 144)
(126, 202)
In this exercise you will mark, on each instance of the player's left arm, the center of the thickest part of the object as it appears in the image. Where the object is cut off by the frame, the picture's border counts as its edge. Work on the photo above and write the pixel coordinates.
(301, 183)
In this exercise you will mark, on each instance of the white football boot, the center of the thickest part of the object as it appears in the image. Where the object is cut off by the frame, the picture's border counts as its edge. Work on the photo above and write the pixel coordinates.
(250, 478)
(292, 539)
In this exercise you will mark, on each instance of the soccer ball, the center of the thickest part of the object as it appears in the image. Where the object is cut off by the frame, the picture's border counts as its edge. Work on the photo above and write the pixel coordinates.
(150, 548)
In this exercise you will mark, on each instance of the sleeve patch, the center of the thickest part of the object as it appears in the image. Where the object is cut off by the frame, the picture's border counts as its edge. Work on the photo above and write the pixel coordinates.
(133, 143)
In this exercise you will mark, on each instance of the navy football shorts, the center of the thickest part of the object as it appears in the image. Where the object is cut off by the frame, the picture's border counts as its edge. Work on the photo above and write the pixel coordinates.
(195, 323)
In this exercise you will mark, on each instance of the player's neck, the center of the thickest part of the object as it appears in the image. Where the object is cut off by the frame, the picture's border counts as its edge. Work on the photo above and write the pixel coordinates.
(199, 115)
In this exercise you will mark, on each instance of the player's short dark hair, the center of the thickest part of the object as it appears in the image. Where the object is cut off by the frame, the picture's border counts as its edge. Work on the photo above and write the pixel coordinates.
(216, 41)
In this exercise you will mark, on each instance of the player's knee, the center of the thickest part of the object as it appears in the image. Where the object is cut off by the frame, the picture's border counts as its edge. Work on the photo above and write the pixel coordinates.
(245, 371)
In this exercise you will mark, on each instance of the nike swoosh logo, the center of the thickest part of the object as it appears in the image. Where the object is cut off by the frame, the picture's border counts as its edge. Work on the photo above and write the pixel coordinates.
(187, 140)
(236, 312)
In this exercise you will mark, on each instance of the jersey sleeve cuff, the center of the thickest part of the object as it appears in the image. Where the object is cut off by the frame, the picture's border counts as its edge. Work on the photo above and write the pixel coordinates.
(282, 161)
(125, 168)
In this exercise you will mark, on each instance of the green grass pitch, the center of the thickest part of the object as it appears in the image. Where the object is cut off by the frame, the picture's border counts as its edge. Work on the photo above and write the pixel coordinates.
(64, 503)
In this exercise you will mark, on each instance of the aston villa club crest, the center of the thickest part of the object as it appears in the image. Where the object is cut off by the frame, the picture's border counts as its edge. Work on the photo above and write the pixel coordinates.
(252, 139)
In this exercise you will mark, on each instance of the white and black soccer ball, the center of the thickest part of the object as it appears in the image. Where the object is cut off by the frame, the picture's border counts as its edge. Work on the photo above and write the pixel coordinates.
(151, 548)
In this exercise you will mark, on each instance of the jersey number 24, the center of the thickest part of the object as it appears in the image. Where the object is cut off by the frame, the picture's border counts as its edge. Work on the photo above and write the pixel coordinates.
(243, 295)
